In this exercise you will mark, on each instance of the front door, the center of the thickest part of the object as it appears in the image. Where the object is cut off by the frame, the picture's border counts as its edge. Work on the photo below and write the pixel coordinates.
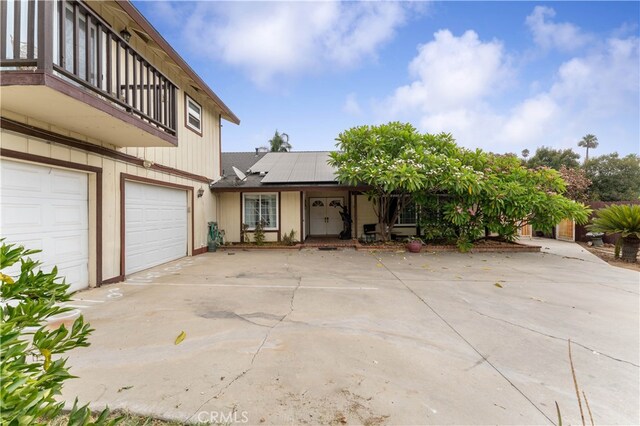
(324, 216)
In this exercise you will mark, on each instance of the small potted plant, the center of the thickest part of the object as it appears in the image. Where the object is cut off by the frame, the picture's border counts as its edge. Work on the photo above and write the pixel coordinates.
(414, 244)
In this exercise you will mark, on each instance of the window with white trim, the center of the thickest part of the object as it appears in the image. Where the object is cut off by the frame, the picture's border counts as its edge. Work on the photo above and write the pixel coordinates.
(193, 112)
(258, 207)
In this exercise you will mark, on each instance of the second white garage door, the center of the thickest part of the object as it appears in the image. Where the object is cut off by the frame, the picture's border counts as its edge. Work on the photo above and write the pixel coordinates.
(155, 225)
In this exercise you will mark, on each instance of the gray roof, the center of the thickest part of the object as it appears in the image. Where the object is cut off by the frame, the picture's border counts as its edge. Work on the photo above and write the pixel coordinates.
(295, 167)
(276, 169)
(241, 160)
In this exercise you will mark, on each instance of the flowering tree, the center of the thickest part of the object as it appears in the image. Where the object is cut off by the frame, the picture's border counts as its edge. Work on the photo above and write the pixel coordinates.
(506, 196)
(395, 161)
(471, 193)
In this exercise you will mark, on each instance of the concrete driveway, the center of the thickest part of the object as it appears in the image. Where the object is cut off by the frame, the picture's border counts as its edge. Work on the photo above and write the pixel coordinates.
(318, 337)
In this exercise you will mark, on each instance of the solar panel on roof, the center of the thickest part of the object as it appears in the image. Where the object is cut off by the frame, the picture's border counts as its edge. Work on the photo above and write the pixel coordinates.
(289, 167)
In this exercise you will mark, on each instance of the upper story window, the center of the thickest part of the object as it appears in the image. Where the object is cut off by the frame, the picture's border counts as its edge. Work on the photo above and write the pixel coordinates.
(193, 114)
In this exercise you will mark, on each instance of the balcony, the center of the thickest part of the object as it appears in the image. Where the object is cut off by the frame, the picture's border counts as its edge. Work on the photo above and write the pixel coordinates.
(63, 64)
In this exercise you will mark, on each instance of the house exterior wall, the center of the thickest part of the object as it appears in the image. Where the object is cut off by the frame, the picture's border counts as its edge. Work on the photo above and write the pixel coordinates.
(189, 166)
(204, 208)
(290, 213)
(195, 153)
(365, 214)
(229, 215)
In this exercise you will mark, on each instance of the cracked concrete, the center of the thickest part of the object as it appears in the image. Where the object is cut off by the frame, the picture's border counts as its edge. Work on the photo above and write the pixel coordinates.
(310, 337)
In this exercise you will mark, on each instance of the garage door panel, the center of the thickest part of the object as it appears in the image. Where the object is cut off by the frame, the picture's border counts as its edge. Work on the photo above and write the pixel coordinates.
(45, 208)
(155, 225)
(64, 183)
(16, 179)
(20, 215)
(67, 215)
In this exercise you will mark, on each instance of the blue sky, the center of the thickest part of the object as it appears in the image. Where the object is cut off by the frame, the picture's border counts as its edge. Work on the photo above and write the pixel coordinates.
(501, 76)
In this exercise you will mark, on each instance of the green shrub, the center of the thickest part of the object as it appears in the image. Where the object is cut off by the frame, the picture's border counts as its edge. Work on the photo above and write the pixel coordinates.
(290, 238)
(258, 233)
(625, 220)
(30, 367)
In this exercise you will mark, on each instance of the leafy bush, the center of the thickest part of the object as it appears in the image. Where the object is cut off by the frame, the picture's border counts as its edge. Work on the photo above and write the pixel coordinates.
(290, 238)
(32, 374)
(258, 233)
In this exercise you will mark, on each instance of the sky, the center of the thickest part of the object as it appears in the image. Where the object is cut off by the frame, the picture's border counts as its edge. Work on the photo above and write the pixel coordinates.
(501, 76)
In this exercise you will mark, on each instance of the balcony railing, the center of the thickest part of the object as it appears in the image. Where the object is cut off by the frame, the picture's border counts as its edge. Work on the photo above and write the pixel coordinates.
(66, 38)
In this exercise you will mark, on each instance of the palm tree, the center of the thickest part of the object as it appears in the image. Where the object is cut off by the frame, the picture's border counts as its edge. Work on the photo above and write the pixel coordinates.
(625, 220)
(280, 142)
(589, 141)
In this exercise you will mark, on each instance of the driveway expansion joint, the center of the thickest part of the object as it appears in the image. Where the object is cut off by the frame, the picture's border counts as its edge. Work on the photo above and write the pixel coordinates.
(485, 358)
(556, 338)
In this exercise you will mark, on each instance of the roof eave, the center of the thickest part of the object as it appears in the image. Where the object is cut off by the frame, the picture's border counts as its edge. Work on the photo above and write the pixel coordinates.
(139, 19)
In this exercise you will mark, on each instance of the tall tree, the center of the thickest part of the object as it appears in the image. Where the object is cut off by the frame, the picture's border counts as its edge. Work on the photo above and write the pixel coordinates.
(525, 154)
(279, 142)
(589, 142)
(614, 178)
(554, 158)
(394, 160)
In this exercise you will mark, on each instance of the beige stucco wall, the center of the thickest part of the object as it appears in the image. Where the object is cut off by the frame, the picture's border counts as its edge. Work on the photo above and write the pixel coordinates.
(204, 208)
(229, 215)
(365, 214)
(290, 213)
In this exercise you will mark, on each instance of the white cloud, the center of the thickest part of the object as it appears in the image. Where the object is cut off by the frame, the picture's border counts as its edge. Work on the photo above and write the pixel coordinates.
(454, 78)
(459, 87)
(452, 71)
(351, 105)
(269, 39)
(547, 34)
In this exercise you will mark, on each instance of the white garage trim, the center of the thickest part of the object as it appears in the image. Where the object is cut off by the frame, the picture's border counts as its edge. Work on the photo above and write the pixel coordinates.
(145, 253)
(80, 259)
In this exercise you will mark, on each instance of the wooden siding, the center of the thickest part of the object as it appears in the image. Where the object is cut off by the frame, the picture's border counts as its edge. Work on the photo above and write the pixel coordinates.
(229, 215)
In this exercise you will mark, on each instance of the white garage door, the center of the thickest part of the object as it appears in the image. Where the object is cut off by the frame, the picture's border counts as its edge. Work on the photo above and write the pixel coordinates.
(155, 225)
(47, 209)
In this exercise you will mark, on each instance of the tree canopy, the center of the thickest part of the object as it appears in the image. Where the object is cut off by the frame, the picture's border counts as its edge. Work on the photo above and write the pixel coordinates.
(614, 178)
(395, 161)
(470, 192)
(279, 142)
(553, 158)
(589, 141)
